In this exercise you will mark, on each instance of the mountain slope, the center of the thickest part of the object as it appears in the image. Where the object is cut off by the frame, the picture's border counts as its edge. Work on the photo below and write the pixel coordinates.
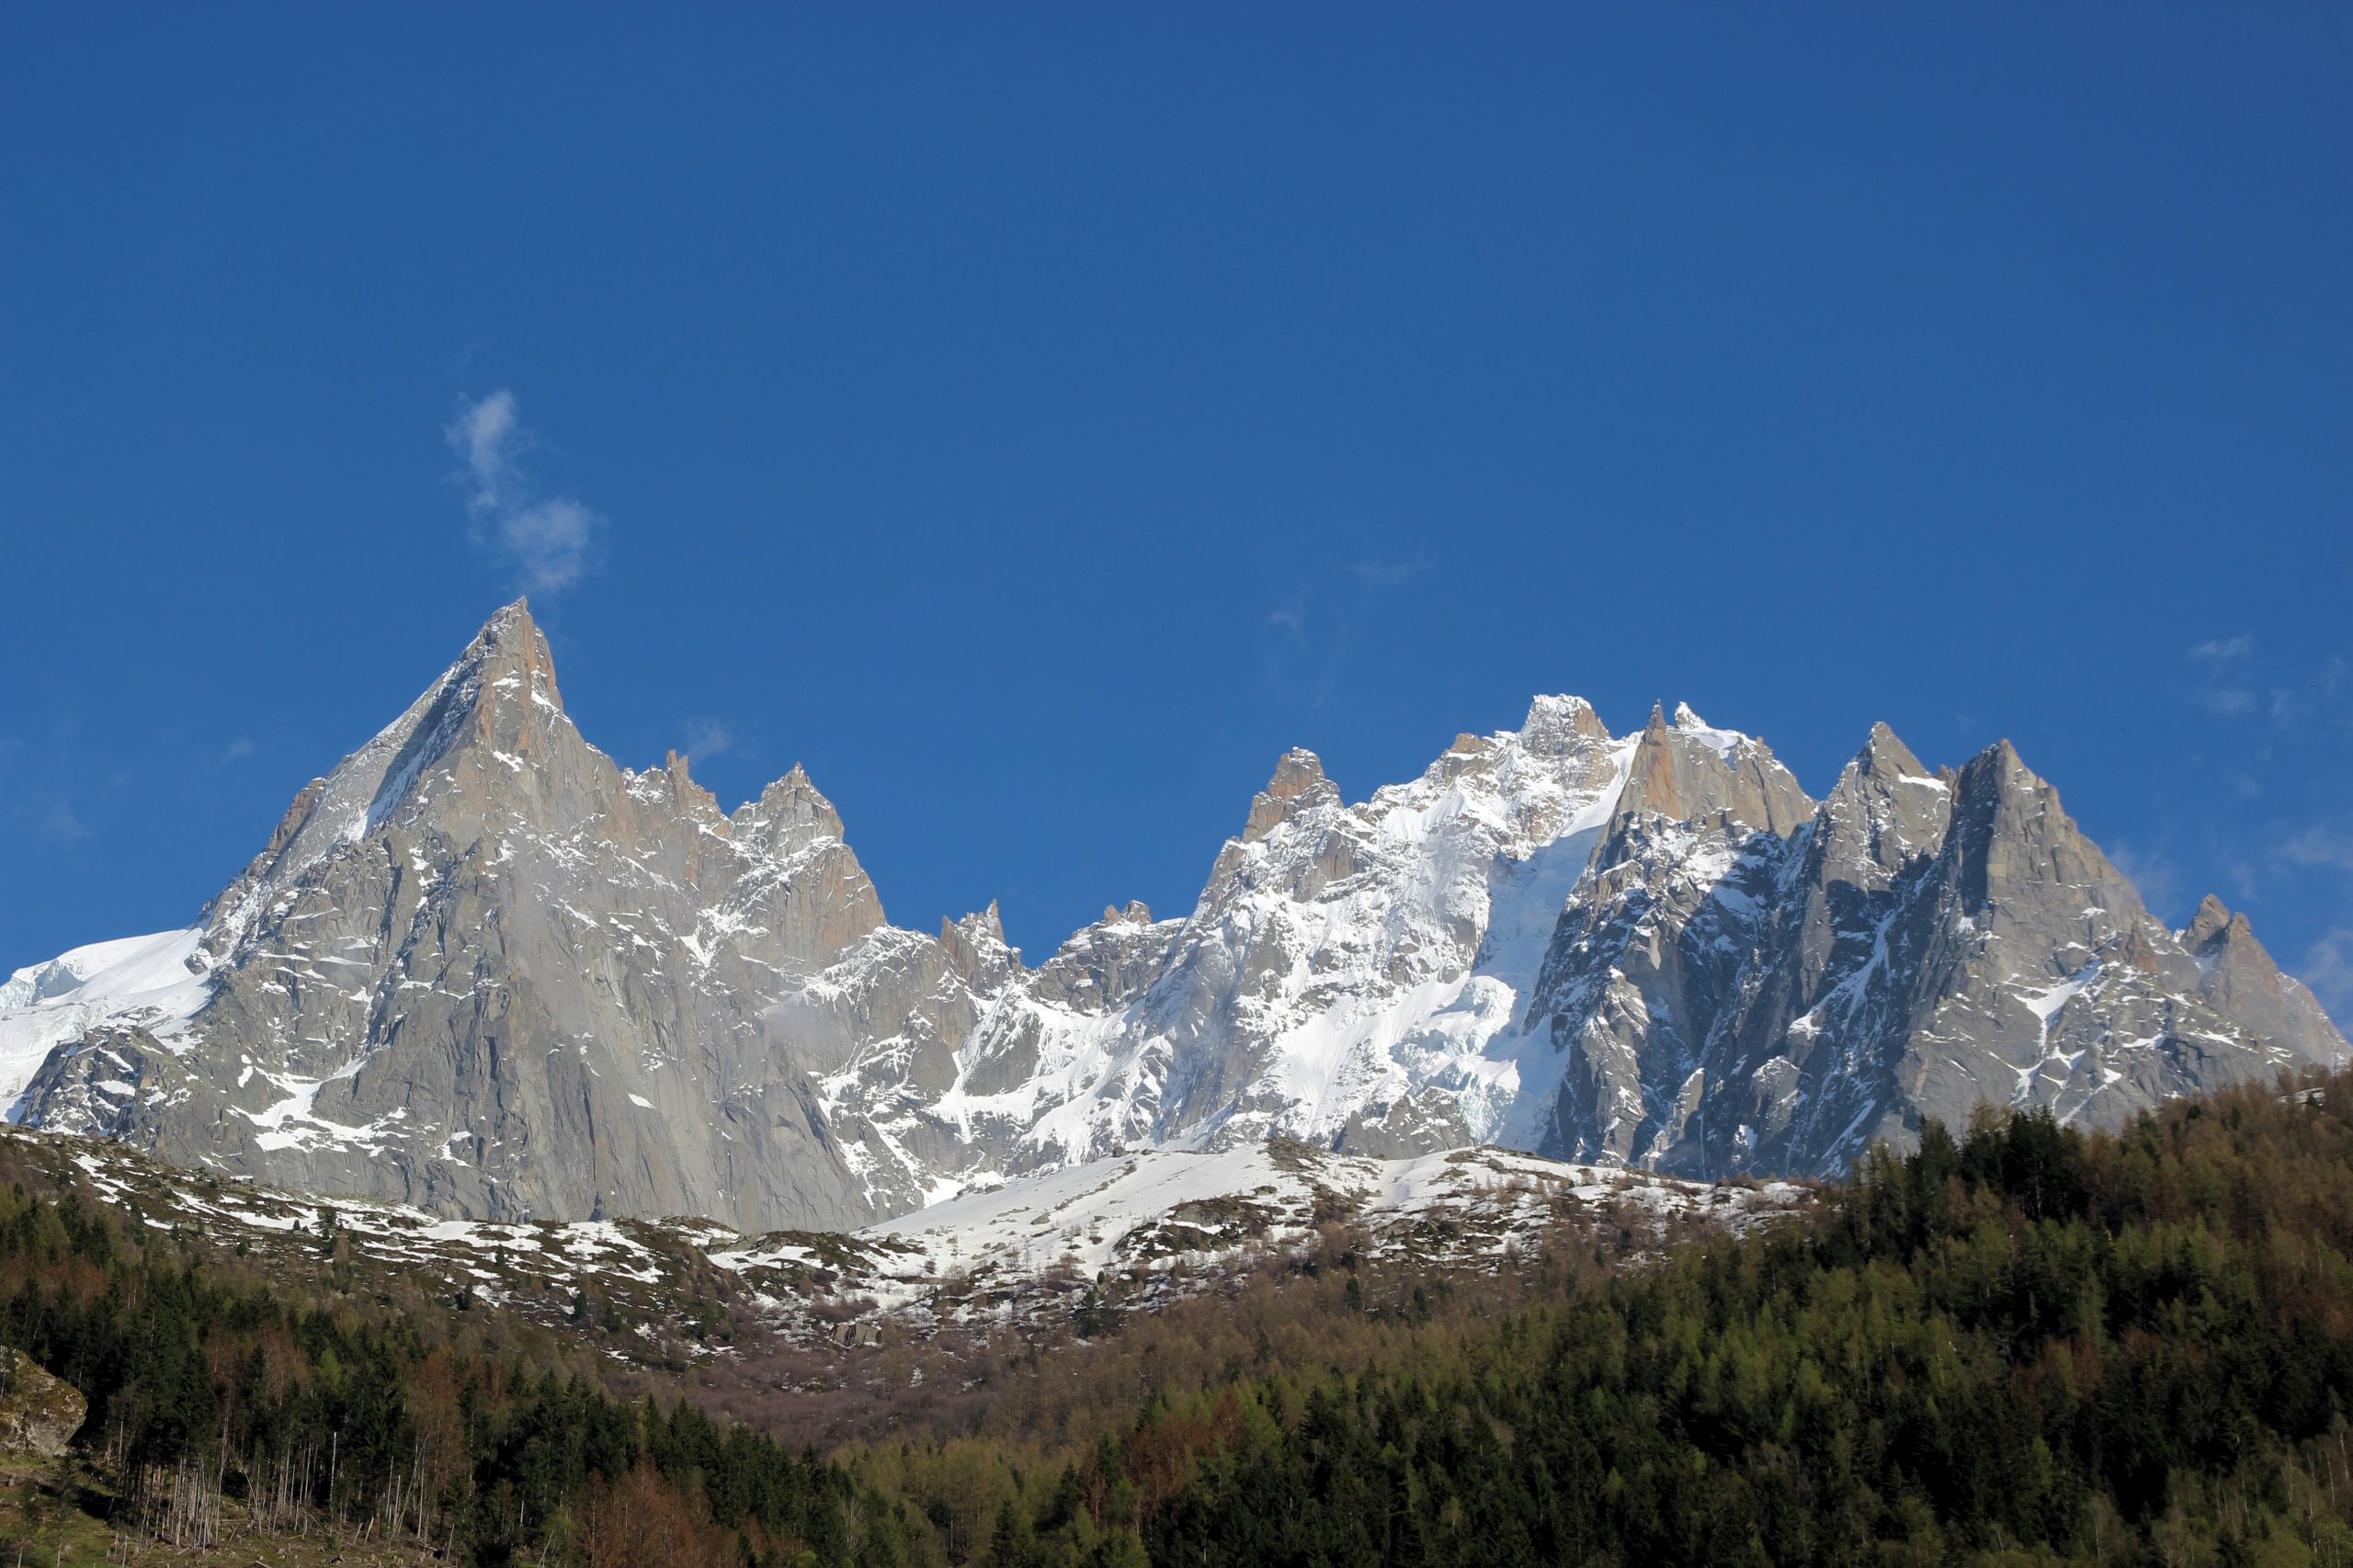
(481, 969)
(1747, 983)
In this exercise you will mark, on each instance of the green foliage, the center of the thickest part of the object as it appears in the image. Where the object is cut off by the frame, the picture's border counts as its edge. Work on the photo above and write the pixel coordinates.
(358, 1422)
(2021, 1345)
(2028, 1345)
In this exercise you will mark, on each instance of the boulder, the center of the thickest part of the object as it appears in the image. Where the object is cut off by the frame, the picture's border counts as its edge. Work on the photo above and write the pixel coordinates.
(39, 1412)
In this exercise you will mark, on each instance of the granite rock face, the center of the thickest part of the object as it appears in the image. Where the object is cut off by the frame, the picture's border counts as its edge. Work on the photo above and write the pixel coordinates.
(481, 967)
(40, 1412)
(1751, 990)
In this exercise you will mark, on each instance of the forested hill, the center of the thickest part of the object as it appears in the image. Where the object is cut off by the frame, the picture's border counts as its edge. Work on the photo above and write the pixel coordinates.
(2021, 1344)
(2027, 1346)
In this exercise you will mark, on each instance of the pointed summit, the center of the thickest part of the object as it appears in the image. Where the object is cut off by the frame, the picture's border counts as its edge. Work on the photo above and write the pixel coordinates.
(1299, 771)
(1694, 770)
(488, 725)
(977, 949)
(2212, 918)
(1651, 782)
(514, 616)
(2237, 975)
(2023, 859)
(1298, 785)
(1886, 756)
(1885, 811)
(791, 814)
(1999, 774)
(1555, 726)
(510, 656)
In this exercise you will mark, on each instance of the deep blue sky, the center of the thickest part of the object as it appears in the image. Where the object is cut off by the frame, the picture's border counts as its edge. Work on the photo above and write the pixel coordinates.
(1034, 420)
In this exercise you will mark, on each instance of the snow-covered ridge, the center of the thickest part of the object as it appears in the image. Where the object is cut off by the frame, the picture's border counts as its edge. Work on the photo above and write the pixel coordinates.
(1154, 1207)
(482, 969)
(1367, 966)
(156, 982)
(1369, 963)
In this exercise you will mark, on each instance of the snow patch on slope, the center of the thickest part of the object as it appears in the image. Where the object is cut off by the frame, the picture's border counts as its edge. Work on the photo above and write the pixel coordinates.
(1159, 1207)
(135, 980)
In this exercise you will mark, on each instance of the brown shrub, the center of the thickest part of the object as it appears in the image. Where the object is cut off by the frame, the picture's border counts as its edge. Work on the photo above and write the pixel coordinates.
(641, 1521)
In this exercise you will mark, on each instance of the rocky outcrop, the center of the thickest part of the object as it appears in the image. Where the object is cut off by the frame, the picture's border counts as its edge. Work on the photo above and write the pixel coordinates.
(481, 967)
(1746, 991)
(1299, 785)
(1650, 950)
(39, 1413)
(2237, 978)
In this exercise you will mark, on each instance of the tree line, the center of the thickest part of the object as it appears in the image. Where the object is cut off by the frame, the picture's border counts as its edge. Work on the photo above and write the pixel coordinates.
(2020, 1342)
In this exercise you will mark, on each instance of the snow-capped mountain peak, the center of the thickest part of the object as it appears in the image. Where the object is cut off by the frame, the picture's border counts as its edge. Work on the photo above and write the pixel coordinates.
(481, 967)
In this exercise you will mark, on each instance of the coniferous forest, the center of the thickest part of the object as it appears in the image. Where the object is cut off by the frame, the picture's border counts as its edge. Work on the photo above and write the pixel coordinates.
(2020, 1344)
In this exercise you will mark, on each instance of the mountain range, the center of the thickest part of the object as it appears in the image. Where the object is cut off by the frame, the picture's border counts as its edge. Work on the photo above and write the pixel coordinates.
(481, 969)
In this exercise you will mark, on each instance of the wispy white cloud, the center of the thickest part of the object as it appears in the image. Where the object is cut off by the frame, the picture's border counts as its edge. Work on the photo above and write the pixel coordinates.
(2328, 970)
(2229, 679)
(2245, 879)
(2321, 852)
(2154, 873)
(2319, 845)
(485, 435)
(548, 539)
(61, 823)
(2319, 699)
(2220, 684)
(2227, 698)
(1305, 635)
(706, 739)
(2224, 650)
(550, 542)
(1285, 647)
(237, 751)
(1390, 573)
